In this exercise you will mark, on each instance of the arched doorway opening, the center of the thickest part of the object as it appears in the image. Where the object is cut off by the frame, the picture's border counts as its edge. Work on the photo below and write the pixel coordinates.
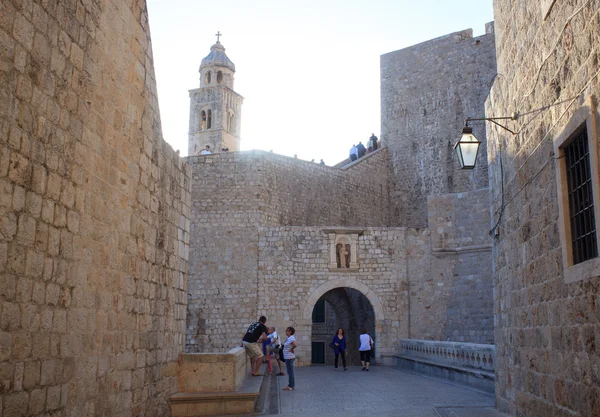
(342, 307)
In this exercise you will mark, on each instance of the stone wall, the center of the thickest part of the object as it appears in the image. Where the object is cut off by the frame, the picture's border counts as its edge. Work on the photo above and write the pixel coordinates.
(293, 274)
(450, 271)
(459, 225)
(427, 91)
(258, 230)
(94, 215)
(226, 211)
(547, 330)
(236, 192)
(300, 193)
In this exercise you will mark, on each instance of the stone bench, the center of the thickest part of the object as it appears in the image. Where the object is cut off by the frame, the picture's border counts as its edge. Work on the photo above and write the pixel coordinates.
(214, 384)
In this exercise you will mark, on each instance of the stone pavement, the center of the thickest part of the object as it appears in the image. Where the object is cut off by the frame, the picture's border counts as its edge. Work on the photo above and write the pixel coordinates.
(383, 391)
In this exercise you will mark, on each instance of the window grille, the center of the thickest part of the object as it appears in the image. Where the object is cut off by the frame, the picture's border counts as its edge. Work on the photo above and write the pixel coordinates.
(581, 199)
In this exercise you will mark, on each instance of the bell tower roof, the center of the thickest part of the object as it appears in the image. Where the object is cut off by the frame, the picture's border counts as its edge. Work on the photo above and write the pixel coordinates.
(217, 57)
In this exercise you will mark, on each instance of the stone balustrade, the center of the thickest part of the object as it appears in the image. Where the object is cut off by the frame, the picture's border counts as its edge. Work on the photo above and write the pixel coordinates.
(467, 355)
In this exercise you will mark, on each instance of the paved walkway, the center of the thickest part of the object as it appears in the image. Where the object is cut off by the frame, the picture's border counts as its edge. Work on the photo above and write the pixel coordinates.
(381, 392)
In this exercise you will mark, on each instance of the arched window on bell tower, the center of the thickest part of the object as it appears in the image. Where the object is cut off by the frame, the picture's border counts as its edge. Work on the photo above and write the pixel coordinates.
(209, 119)
(231, 122)
(202, 120)
(207, 77)
(220, 77)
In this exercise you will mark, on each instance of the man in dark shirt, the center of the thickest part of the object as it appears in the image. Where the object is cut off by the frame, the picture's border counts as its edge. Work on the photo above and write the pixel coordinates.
(373, 139)
(256, 333)
(361, 150)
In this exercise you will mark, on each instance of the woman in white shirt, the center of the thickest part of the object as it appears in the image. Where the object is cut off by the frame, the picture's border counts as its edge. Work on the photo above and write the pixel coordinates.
(366, 344)
(288, 354)
(273, 348)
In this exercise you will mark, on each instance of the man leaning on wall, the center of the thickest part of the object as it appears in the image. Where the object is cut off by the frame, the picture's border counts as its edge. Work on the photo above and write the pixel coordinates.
(256, 333)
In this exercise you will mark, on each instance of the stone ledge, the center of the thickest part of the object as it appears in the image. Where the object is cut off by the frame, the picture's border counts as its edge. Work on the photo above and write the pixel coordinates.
(189, 397)
(466, 249)
(211, 372)
(344, 270)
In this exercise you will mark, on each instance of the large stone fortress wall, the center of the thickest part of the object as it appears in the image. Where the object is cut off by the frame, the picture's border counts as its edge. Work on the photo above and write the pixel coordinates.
(547, 332)
(427, 91)
(233, 194)
(259, 246)
(261, 188)
(94, 215)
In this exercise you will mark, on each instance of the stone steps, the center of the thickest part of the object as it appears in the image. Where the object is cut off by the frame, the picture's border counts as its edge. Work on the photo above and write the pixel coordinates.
(195, 404)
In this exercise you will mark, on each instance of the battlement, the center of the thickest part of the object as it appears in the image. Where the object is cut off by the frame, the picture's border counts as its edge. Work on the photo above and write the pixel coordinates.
(453, 38)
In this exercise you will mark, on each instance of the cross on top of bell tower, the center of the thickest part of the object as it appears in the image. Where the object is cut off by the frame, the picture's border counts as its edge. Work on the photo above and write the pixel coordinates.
(218, 35)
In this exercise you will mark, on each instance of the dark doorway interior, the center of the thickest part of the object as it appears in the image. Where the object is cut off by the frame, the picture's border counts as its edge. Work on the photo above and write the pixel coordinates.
(346, 308)
(318, 353)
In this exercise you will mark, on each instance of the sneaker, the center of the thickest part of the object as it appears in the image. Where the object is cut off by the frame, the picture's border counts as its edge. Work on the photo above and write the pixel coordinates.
(367, 369)
(363, 369)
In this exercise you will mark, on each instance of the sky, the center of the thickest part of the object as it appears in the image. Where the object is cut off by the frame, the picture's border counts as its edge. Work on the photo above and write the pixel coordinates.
(308, 71)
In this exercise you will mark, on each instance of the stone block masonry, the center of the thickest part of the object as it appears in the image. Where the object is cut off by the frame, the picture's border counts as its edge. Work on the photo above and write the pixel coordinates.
(94, 215)
(427, 91)
(233, 194)
(259, 246)
(547, 330)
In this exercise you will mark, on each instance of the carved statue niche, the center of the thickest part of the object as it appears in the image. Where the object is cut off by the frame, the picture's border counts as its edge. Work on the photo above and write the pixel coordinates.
(343, 249)
(343, 255)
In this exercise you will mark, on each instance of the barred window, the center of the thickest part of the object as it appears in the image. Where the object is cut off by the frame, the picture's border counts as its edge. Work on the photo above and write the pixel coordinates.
(581, 199)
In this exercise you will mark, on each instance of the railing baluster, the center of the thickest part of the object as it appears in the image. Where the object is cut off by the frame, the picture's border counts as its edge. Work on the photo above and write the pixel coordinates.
(465, 354)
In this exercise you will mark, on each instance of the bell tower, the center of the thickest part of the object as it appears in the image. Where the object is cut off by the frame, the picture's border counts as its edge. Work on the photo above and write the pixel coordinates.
(215, 108)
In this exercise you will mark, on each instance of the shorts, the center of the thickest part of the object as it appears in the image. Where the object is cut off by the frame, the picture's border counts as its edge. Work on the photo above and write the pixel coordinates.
(252, 349)
(365, 355)
(273, 348)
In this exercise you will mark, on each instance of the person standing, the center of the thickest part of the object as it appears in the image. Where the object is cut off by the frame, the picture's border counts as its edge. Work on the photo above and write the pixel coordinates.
(206, 151)
(273, 348)
(256, 332)
(361, 150)
(353, 153)
(265, 343)
(373, 139)
(288, 354)
(366, 344)
(339, 347)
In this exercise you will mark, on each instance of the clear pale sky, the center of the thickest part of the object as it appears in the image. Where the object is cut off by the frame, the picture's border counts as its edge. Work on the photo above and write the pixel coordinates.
(309, 71)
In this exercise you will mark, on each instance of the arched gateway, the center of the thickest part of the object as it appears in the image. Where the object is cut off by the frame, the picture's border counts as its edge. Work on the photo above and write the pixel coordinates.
(341, 295)
(343, 283)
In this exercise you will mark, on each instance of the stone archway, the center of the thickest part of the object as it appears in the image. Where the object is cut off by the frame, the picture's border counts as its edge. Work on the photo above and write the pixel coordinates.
(344, 283)
(336, 293)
